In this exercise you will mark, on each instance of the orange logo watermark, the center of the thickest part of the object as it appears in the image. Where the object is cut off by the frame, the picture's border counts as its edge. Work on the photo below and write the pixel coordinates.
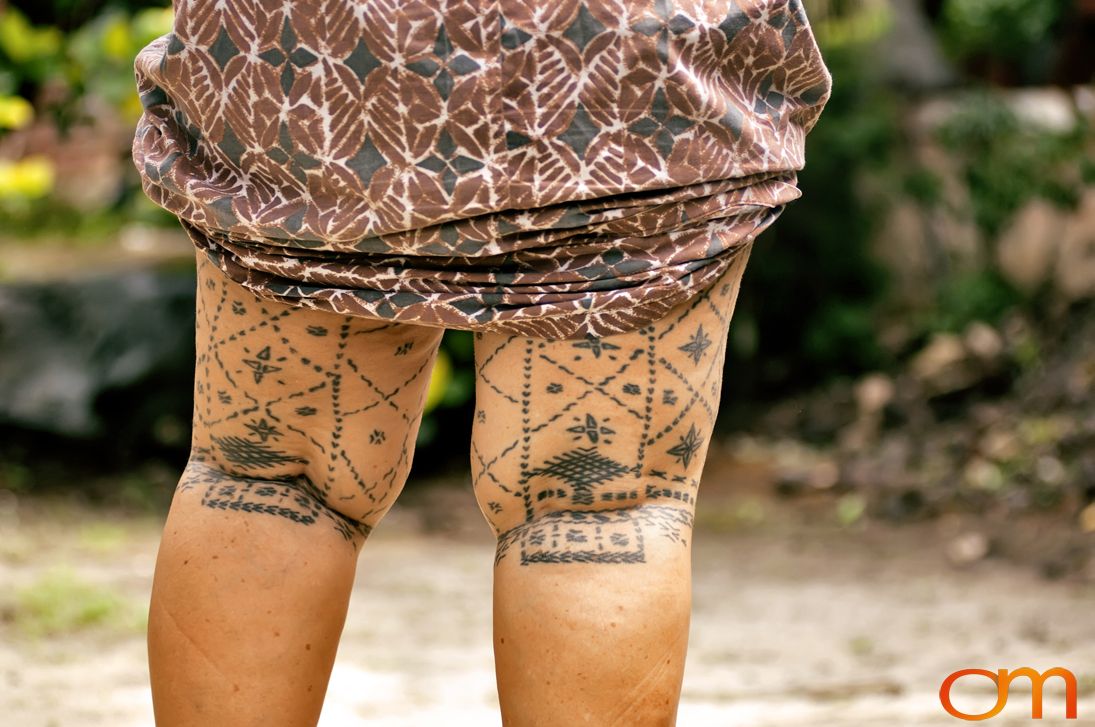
(1003, 679)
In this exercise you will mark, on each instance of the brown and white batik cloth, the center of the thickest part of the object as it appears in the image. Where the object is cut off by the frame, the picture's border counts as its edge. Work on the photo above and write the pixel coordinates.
(553, 168)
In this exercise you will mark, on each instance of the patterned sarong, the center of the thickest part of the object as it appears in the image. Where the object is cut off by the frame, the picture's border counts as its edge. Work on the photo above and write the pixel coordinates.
(552, 168)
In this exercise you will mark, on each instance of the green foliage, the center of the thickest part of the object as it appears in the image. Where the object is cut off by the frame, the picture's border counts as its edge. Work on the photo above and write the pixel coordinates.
(103, 51)
(59, 603)
(813, 285)
(1006, 29)
(840, 24)
(29, 53)
(452, 384)
(93, 59)
(980, 295)
(1006, 163)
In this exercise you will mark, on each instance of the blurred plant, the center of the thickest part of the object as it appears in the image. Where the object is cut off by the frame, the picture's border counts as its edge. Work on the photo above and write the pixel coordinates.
(29, 53)
(1006, 162)
(1004, 34)
(104, 49)
(15, 112)
(843, 23)
(43, 65)
(58, 603)
(29, 178)
(850, 509)
(813, 287)
(980, 295)
(440, 379)
(46, 75)
(452, 386)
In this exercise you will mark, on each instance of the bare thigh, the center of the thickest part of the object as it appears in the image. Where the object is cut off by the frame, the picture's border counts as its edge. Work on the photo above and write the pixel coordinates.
(592, 450)
(302, 414)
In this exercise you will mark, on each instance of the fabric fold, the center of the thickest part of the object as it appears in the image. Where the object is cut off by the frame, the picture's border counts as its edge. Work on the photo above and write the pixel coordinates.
(550, 168)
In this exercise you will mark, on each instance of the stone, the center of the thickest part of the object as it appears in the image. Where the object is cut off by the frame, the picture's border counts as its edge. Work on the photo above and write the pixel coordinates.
(1000, 445)
(1074, 277)
(904, 246)
(1046, 108)
(873, 392)
(824, 475)
(942, 365)
(108, 354)
(1027, 249)
(910, 54)
(981, 474)
(983, 342)
(1087, 519)
(967, 548)
(1049, 470)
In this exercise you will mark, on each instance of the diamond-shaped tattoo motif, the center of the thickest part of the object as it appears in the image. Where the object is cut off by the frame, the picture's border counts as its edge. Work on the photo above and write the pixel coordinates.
(260, 365)
(688, 446)
(591, 429)
(697, 345)
(583, 469)
(263, 429)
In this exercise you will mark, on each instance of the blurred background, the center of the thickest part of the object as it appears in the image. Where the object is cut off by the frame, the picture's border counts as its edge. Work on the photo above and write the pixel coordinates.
(904, 480)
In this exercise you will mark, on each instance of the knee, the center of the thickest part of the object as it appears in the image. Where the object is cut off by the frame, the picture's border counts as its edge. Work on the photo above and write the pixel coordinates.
(540, 517)
(621, 533)
(293, 499)
(315, 474)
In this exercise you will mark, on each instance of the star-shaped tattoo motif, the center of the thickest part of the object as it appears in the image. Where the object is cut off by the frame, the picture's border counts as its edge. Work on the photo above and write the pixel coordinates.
(697, 346)
(591, 429)
(263, 429)
(687, 447)
(260, 365)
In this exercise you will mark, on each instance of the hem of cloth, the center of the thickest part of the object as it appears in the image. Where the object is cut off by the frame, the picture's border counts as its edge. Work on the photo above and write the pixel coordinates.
(591, 315)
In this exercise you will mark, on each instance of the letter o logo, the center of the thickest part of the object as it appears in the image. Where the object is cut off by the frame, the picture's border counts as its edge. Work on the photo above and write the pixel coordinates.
(945, 694)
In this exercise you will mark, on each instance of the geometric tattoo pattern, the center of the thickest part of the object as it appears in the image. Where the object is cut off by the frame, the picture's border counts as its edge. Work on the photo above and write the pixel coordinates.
(584, 450)
(305, 415)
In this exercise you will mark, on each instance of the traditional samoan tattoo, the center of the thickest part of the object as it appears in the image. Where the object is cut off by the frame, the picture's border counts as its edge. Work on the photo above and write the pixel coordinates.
(302, 414)
(295, 499)
(592, 475)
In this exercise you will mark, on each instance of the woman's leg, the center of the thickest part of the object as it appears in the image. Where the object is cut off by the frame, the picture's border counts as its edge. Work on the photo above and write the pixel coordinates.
(304, 429)
(586, 460)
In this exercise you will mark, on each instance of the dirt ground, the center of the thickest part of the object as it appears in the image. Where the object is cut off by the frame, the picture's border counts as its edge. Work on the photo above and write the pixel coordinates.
(796, 621)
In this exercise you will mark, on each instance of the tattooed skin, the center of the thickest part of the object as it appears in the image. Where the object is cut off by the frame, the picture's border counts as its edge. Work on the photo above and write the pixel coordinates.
(582, 451)
(296, 499)
(301, 414)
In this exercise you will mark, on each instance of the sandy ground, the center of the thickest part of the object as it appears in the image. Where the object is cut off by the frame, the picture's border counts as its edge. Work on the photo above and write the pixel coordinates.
(796, 621)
